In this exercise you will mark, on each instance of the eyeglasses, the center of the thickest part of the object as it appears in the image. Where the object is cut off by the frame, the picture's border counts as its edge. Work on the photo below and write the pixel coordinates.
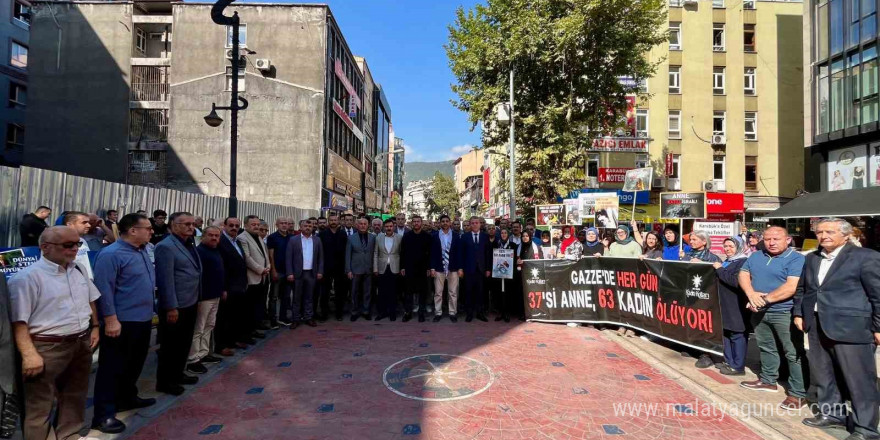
(68, 245)
(142, 227)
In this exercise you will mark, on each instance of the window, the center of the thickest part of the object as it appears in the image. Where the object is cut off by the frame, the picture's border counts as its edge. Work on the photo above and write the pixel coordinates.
(837, 103)
(643, 85)
(642, 123)
(140, 41)
(751, 173)
(17, 95)
(18, 55)
(676, 165)
(229, 79)
(718, 80)
(749, 38)
(822, 30)
(869, 20)
(642, 161)
(717, 3)
(14, 136)
(674, 124)
(674, 36)
(854, 16)
(718, 37)
(748, 4)
(593, 165)
(822, 104)
(675, 3)
(242, 36)
(718, 167)
(21, 13)
(836, 21)
(852, 90)
(751, 126)
(675, 79)
(749, 81)
(719, 123)
(869, 85)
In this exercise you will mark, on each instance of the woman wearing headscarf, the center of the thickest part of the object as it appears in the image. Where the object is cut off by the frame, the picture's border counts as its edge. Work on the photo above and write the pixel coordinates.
(671, 250)
(571, 248)
(756, 242)
(624, 245)
(582, 236)
(593, 246)
(733, 307)
(700, 249)
(546, 243)
(507, 298)
(527, 250)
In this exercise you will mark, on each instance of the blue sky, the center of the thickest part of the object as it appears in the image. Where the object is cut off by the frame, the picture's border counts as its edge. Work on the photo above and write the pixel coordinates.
(402, 41)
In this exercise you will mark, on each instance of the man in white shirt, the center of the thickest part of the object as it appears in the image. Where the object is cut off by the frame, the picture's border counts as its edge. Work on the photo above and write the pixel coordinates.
(305, 267)
(55, 323)
(400, 227)
(79, 221)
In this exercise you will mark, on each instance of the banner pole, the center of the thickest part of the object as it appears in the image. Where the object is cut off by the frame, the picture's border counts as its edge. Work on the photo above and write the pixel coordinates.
(680, 235)
(502, 285)
(635, 196)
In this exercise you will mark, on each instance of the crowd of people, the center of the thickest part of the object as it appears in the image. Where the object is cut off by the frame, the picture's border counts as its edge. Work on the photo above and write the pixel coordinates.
(219, 288)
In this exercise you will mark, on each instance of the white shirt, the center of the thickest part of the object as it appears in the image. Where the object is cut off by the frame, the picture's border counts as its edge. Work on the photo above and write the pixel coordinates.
(51, 300)
(308, 251)
(234, 243)
(389, 243)
(401, 231)
(824, 265)
(82, 258)
(475, 237)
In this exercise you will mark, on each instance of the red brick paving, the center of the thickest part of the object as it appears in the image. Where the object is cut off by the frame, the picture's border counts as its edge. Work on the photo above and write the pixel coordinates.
(341, 364)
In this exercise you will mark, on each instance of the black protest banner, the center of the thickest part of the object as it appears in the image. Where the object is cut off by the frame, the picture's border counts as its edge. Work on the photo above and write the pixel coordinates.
(673, 300)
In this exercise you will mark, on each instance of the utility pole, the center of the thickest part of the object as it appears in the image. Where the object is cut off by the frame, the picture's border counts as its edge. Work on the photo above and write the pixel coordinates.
(512, 161)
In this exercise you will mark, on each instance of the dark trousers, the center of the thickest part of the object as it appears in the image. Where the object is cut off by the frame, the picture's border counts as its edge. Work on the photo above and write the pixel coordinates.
(120, 362)
(174, 343)
(736, 344)
(360, 293)
(417, 284)
(339, 284)
(257, 295)
(279, 292)
(506, 296)
(474, 293)
(303, 295)
(388, 282)
(830, 359)
(232, 321)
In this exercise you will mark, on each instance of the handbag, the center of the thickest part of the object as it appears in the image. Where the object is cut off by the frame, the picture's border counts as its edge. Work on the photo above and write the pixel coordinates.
(9, 415)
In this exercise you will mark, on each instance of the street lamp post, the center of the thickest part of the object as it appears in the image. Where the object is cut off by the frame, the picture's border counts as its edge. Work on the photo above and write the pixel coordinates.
(512, 161)
(236, 102)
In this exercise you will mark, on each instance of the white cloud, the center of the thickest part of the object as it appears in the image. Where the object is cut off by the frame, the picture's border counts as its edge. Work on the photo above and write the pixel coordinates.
(458, 150)
(411, 154)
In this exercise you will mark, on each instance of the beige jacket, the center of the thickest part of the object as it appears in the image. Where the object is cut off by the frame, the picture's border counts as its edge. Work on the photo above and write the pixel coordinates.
(381, 256)
(255, 260)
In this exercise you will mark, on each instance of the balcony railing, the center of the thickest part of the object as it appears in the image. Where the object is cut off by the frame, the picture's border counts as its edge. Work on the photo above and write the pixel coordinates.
(149, 83)
(148, 125)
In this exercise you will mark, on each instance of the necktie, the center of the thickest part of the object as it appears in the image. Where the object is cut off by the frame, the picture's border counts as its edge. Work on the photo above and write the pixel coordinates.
(446, 254)
(476, 239)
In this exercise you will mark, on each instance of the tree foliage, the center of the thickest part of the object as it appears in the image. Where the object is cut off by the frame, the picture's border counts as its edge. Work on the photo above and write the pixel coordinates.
(568, 57)
(395, 206)
(442, 197)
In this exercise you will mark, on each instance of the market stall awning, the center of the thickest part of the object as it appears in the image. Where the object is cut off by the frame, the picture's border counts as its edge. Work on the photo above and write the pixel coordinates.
(850, 203)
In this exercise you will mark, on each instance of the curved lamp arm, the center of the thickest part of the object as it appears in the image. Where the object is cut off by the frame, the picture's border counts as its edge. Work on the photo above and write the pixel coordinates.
(217, 13)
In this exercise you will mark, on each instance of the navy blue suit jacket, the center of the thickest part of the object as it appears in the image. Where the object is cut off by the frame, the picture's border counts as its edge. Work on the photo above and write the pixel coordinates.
(475, 257)
(437, 252)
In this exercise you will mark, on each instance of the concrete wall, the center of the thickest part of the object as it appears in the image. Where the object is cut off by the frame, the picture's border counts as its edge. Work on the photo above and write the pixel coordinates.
(280, 134)
(10, 30)
(77, 117)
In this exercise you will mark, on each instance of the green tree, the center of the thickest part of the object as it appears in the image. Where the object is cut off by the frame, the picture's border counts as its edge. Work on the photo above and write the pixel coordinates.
(568, 57)
(442, 197)
(395, 206)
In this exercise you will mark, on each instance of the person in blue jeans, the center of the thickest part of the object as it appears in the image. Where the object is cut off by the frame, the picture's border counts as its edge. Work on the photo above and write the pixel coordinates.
(769, 278)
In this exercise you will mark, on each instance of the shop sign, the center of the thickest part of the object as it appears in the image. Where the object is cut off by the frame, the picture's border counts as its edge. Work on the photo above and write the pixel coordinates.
(620, 145)
(725, 203)
(340, 73)
(614, 175)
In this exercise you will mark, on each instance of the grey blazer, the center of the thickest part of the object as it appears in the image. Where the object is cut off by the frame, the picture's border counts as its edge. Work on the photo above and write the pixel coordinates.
(359, 259)
(178, 274)
(294, 256)
(381, 256)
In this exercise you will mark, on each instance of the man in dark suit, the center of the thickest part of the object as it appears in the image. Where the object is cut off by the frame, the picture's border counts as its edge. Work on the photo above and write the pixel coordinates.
(837, 303)
(305, 268)
(232, 319)
(476, 257)
(359, 267)
(178, 286)
(334, 242)
(415, 258)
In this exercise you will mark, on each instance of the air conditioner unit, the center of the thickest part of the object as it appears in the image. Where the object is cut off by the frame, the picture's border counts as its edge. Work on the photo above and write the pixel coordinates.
(708, 185)
(263, 64)
(228, 54)
(719, 185)
(719, 139)
(658, 182)
(690, 2)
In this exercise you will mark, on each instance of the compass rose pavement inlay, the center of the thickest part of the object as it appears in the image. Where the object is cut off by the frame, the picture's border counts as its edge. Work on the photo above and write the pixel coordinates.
(438, 377)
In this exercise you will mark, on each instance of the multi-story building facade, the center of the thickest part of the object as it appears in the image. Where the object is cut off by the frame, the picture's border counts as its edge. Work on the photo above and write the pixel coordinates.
(466, 166)
(384, 142)
(416, 197)
(15, 19)
(724, 111)
(124, 100)
(397, 167)
(369, 184)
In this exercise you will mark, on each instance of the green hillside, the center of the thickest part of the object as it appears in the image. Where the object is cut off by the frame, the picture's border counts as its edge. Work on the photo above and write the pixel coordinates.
(425, 170)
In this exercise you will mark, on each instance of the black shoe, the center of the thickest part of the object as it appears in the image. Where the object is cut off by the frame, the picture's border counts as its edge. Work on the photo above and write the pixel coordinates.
(188, 380)
(437, 318)
(283, 322)
(506, 319)
(469, 318)
(482, 317)
(274, 326)
(110, 425)
(380, 317)
(522, 318)
(258, 335)
(322, 318)
(498, 318)
(137, 403)
(294, 325)
(421, 317)
(823, 421)
(368, 317)
(393, 318)
(727, 370)
(354, 317)
(406, 317)
(196, 368)
(311, 323)
(705, 361)
(263, 327)
(211, 359)
(250, 341)
(339, 317)
(453, 318)
(174, 390)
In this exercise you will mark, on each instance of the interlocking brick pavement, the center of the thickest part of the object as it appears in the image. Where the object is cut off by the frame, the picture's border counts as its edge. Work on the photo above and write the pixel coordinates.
(547, 381)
